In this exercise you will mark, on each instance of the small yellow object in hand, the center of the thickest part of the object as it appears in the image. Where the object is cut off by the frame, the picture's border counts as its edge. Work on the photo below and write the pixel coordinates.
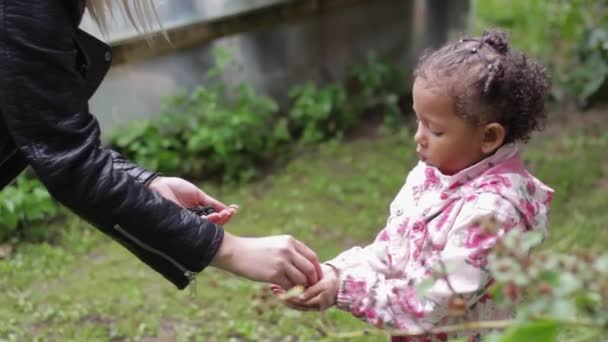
(292, 293)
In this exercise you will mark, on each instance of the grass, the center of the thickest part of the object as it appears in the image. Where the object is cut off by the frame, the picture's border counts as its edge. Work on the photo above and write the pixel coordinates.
(87, 288)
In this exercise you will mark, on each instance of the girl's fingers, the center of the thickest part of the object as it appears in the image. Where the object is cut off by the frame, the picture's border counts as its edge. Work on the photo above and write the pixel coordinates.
(298, 304)
(313, 291)
(319, 302)
(295, 303)
(299, 307)
(276, 289)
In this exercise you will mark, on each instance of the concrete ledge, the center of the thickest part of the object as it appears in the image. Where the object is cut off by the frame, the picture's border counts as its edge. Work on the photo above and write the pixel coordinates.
(188, 36)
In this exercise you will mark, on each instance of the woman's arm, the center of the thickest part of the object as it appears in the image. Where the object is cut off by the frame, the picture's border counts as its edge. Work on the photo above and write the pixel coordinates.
(44, 105)
(43, 102)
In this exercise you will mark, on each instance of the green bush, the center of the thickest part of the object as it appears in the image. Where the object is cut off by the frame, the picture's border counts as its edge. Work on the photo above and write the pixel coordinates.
(379, 85)
(217, 131)
(570, 37)
(319, 113)
(212, 130)
(25, 205)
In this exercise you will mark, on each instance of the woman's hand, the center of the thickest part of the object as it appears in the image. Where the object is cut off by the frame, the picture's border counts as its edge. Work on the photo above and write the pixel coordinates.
(188, 195)
(321, 296)
(280, 260)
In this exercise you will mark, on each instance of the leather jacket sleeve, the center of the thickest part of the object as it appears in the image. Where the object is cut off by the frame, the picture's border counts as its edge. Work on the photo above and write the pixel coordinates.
(43, 102)
(138, 173)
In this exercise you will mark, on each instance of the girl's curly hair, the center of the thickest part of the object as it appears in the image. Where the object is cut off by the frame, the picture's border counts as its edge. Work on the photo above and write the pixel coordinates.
(490, 83)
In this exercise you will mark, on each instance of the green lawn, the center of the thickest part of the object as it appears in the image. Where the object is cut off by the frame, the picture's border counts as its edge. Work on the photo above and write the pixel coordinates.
(88, 288)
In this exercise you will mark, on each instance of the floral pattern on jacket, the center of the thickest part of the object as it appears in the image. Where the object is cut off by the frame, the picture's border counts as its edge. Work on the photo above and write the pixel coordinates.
(437, 219)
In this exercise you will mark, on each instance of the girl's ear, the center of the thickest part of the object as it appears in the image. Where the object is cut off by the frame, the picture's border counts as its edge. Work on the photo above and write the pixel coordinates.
(493, 138)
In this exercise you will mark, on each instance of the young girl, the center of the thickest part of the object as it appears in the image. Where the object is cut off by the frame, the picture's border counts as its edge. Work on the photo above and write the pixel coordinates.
(474, 101)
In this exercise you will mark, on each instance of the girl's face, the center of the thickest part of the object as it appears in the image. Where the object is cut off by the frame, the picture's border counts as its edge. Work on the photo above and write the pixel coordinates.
(445, 140)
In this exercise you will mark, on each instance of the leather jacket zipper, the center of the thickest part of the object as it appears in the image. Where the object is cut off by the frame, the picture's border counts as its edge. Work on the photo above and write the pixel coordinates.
(187, 273)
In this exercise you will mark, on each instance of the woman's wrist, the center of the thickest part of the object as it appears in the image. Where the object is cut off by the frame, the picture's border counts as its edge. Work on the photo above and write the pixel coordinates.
(151, 183)
(152, 178)
(224, 258)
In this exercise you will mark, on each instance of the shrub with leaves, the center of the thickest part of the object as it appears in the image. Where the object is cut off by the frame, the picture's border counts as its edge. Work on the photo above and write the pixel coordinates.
(217, 130)
(214, 130)
(24, 204)
(319, 113)
(571, 37)
(378, 85)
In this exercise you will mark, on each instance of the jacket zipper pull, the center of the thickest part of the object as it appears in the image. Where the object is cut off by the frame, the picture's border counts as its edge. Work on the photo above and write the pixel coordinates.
(192, 277)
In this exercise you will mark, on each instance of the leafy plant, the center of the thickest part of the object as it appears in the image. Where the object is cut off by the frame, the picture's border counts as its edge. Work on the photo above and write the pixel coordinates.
(319, 113)
(570, 37)
(24, 204)
(153, 148)
(378, 86)
(229, 137)
(213, 130)
(217, 130)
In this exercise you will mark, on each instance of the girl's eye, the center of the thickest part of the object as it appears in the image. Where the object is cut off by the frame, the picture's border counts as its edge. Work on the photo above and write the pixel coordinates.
(436, 133)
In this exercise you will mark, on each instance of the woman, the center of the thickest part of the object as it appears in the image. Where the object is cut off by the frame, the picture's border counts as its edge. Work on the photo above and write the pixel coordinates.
(49, 70)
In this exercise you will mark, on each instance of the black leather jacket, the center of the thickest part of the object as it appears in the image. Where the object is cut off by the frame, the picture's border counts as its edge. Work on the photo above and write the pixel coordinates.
(49, 69)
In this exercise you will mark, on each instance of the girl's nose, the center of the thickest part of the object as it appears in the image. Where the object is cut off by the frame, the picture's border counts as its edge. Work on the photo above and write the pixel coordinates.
(419, 137)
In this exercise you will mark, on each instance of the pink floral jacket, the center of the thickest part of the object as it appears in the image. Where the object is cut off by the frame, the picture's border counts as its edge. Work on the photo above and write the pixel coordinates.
(437, 218)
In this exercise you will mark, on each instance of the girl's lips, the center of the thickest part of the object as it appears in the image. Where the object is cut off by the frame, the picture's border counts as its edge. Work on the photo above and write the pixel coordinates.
(421, 156)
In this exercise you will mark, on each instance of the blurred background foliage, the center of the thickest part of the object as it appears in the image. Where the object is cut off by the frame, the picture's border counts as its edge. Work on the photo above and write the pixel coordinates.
(569, 36)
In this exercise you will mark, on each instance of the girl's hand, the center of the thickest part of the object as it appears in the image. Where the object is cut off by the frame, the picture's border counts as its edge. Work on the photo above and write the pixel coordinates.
(188, 195)
(318, 297)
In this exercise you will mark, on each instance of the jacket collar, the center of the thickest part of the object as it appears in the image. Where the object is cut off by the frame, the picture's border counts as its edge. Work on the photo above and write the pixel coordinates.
(433, 178)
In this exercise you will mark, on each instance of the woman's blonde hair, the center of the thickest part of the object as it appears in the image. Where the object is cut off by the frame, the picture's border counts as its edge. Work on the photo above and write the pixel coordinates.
(140, 13)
